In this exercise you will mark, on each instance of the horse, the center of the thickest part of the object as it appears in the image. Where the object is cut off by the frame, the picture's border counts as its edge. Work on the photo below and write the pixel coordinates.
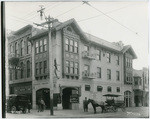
(94, 104)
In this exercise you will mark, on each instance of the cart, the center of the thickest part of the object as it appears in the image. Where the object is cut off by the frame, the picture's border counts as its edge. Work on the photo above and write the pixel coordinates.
(112, 103)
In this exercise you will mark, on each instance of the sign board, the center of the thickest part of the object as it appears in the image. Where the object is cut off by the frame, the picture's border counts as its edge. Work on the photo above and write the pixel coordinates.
(74, 98)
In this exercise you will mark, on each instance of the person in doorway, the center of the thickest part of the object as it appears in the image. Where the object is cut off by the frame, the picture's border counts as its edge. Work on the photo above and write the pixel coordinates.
(29, 106)
(85, 105)
(42, 105)
(39, 105)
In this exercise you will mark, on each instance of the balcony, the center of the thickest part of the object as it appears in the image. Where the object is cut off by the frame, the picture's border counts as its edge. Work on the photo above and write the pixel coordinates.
(86, 54)
(88, 75)
(138, 87)
(13, 59)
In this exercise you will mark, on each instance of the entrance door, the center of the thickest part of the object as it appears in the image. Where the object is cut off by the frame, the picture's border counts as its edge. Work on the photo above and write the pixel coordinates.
(127, 98)
(66, 94)
(45, 95)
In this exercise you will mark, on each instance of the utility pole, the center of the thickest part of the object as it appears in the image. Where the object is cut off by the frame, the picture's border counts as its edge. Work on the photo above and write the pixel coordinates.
(49, 22)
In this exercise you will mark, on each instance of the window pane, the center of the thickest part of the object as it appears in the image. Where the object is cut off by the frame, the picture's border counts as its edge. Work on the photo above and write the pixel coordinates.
(67, 41)
(71, 42)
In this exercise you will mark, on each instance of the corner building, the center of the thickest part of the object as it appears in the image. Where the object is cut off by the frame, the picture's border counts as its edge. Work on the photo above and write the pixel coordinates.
(84, 66)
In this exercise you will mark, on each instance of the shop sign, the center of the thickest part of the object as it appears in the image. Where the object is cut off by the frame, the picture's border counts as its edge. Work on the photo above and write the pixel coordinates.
(74, 98)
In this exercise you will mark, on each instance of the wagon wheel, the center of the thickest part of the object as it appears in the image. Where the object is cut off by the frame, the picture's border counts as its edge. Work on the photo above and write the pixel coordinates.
(123, 108)
(13, 109)
(115, 109)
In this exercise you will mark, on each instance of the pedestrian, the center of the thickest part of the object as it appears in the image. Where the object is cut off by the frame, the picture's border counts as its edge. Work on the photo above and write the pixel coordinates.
(42, 105)
(29, 106)
(39, 105)
(85, 105)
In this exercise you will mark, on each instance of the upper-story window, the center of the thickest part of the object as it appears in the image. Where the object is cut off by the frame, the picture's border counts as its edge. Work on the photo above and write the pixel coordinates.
(76, 69)
(109, 89)
(22, 69)
(40, 47)
(98, 55)
(37, 47)
(45, 67)
(118, 89)
(67, 44)
(67, 66)
(36, 68)
(71, 46)
(22, 47)
(117, 75)
(40, 67)
(28, 47)
(87, 87)
(16, 74)
(28, 69)
(117, 60)
(71, 67)
(86, 68)
(75, 46)
(11, 48)
(45, 45)
(108, 57)
(98, 72)
(16, 48)
(86, 48)
(108, 74)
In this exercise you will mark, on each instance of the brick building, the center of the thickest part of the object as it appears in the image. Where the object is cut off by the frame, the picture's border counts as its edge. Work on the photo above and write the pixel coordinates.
(85, 66)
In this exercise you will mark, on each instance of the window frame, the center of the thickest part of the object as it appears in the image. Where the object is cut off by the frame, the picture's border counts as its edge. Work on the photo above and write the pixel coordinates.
(108, 56)
(87, 87)
(109, 89)
(99, 87)
(99, 73)
(117, 75)
(108, 74)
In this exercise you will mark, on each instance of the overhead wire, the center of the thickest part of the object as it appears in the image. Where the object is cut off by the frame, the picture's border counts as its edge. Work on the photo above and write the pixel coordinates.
(111, 18)
(105, 13)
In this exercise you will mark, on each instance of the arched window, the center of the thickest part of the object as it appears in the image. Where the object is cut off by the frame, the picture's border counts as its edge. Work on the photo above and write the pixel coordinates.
(22, 46)
(108, 89)
(16, 48)
(21, 65)
(28, 47)
(28, 69)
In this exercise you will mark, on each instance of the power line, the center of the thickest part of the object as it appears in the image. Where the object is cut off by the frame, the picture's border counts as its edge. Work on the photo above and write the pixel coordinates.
(68, 11)
(110, 17)
(105, 13)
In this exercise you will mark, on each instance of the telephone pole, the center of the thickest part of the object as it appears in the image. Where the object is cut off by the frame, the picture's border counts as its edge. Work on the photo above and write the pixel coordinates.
(49, 22)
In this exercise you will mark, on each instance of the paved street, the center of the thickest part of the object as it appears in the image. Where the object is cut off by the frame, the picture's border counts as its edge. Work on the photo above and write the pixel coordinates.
(130, 112)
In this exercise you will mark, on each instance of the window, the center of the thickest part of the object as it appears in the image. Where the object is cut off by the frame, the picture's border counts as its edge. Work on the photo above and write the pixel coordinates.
(75, 47)
(45, 45)
(67, 66)
(41, 43)
(108, 89)
(98, 72)
(71, 46)
(16, 74)
(118, 89)
(67, 44)
(117, 75)
(12, 90)
(86, 68)
(16, 48)
(37, 47)
(108, 74)
(11, 48)
(76, 68)
(86, 48)
(108, 57)
(40, 67)
(22, 71)
(28, 47)
(10, 74)
(99, 88)
(87, 87)
(22, 46)
(71, 68)
(117, 61)
(98, 55)
(45, 66)
(36, 68)
(28, 69)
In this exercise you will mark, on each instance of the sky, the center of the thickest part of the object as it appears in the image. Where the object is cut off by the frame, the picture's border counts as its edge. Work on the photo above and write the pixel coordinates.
(111, 21)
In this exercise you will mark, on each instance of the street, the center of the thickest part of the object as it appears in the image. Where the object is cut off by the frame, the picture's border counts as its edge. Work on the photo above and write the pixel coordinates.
(132, 112)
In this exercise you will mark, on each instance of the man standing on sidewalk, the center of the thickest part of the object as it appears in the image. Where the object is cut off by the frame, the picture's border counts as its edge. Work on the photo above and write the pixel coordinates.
(85, 105)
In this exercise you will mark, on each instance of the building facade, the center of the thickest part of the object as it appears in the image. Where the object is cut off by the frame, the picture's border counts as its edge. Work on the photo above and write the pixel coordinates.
(84, 66)
(140, 88)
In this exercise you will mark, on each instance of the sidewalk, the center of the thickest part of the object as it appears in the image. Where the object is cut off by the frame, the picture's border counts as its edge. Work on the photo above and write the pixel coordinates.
(130, 112)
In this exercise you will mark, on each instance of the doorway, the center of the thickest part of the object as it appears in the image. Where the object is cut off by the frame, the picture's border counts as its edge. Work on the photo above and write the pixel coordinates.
(127, 98)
